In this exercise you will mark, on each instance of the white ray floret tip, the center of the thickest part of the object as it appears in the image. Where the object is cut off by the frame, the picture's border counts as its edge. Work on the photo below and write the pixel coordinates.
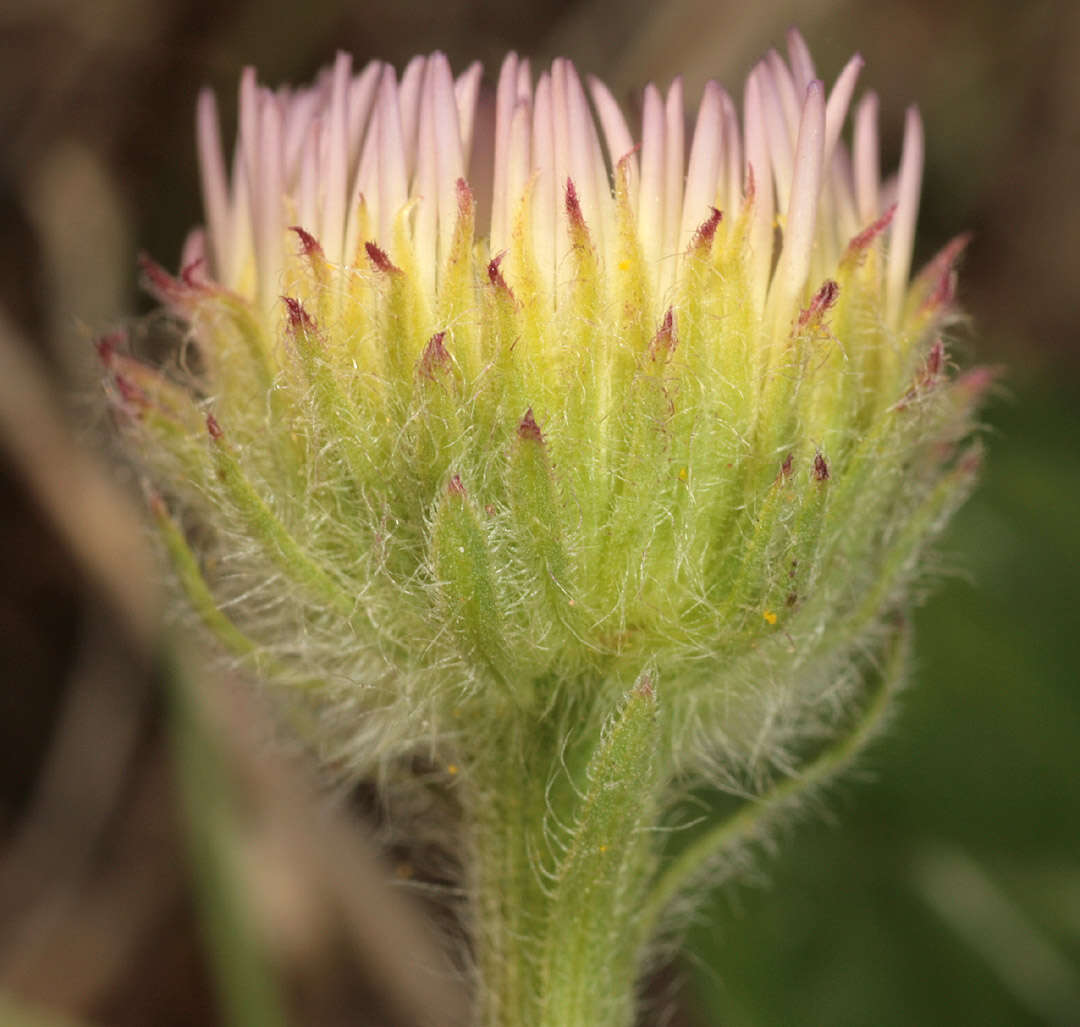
(358, 149)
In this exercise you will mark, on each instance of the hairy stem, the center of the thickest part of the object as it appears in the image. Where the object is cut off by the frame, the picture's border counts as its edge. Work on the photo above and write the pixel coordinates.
(563, 853)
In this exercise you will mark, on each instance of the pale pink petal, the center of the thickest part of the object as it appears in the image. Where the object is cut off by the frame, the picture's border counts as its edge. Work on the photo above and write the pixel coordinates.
(585, 159)
(248, 117)
(759, 173)
(704, 168)
(426, 182)
(466, 91)
(617, 138)
(215, 185)
(412, 79)
(889, 192)
(335, 174)
(794, 267)
(802, 64)
(866, 160)
(843, 196)
(836, 109)
(733, 157)
(240, 235)
(560, 126)
(365, 184)
(518, 167)
(393, 177)
(674, 172)
(902, 235)
(307, 204)
(786, 90)
(361, 101)
(651, 196)
(544, 188)
(505, 100)
(778, 131)
(524, 82)
(451, 161)
(269, 203)
(299, 111)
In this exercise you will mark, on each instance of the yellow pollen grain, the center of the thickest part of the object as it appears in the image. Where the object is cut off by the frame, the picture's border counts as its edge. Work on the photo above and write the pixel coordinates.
(683, 475)
(603, 848)
(769, 616)
(624, 264)
(452, 768)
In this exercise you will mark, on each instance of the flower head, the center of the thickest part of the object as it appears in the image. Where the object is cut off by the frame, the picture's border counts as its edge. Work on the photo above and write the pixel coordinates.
(514, 399)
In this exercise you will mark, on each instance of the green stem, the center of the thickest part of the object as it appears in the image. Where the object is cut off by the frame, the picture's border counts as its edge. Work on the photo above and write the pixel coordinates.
(752, 818)
(506, 827)
(563, 853)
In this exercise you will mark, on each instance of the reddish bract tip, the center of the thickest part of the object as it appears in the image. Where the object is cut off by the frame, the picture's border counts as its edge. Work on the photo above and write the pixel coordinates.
(381, 261)
(935, 361)
(974, 384)
(299, 318)
(455, 488)
(130, 393)
(107, 345)
(214, 428)
(175, 292)
(495, 276)
(529, 430)
(157, 504)
(645, 687)
(464, 199)
(309, 245)
(703, 237)
(926, 378)
(624, 167)
(823, 299)
(947, 255)
(943, 294)
(861, 241)
(435, 356)
(935, 358)
(971, 461)
(193, 274)
(573, 205)
(940, 274)
(750, 189)
(665, 340)
(579, 230)
(787, 466)
(160, 283)
(821, 469)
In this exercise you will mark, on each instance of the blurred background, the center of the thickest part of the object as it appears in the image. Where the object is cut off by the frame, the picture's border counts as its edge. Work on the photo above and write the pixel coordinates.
(938, 885)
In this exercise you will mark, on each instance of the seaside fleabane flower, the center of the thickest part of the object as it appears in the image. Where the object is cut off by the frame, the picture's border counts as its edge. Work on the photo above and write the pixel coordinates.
(587, 462)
